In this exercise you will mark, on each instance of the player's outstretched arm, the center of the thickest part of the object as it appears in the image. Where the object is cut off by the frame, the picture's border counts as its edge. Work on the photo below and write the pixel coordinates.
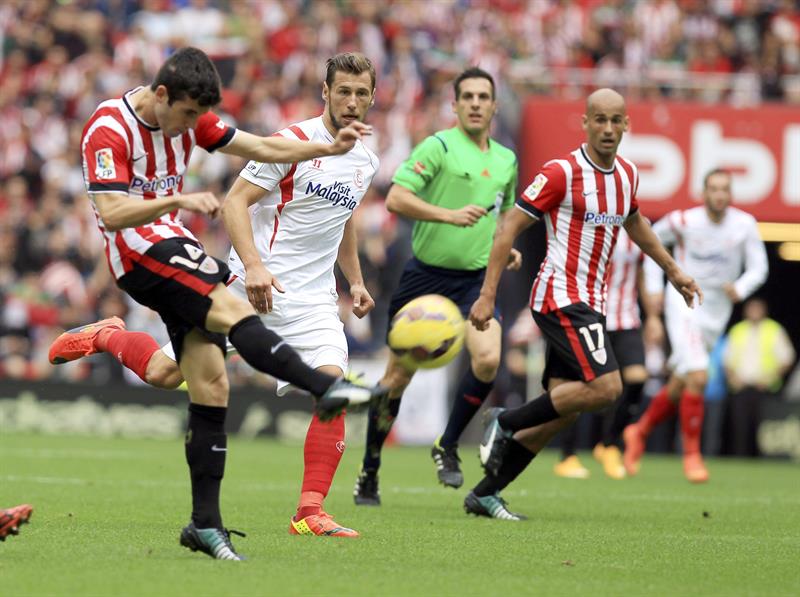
(279, 150)
(402, 201)
(120, 211)
(258, 280)
(642, 234)
(508, 229)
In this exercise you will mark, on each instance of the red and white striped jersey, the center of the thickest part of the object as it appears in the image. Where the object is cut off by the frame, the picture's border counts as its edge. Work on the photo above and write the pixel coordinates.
(583, 206)
(622, 302)
(123, 154)
(299, 223)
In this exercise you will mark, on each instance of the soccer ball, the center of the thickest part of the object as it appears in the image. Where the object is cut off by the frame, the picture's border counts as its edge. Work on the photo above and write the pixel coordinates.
(427, 332)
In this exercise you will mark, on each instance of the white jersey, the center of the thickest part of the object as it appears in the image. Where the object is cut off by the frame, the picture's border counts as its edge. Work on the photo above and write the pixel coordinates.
(622, 302)
(714, 254)
(299, 223)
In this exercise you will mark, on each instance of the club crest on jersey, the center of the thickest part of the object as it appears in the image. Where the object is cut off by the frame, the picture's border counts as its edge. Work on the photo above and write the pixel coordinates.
(337, 193)
(105, 169)
(358, 178)
(600, 219)
(535, 187)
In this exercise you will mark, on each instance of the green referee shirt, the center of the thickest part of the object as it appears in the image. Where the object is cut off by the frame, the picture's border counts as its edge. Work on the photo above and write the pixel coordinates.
(449, 170)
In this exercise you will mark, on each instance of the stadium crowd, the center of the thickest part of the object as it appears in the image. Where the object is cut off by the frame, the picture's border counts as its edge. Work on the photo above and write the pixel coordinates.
(59, 59)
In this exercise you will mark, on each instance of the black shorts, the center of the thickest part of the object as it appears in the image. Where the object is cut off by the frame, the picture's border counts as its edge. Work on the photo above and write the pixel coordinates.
(461, 286)
(628, 347)
(578, 346)
(174, 278)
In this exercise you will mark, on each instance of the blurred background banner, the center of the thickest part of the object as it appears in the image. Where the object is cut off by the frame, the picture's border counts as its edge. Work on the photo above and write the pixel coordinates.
(675, 144)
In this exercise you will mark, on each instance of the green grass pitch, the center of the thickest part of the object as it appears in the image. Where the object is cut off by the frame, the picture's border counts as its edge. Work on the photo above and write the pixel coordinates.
(108, 513)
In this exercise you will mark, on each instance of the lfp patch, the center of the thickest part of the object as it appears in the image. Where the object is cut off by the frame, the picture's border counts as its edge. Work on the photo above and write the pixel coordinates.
(105, 164)
(535, 187)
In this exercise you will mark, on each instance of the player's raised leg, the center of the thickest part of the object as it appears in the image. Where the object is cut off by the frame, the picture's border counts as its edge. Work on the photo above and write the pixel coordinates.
(322, 452)
(484, 352)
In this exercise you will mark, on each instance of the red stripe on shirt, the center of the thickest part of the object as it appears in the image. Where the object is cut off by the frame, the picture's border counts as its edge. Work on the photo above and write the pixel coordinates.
(577, 347)
(287, 192)
(299, 132)
(599, 239)
(575, 231)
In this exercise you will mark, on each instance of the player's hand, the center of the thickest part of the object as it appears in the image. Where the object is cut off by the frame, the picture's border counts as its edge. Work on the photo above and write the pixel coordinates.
(466, 216)
(202, 203)
(730, 292)
(653, 331)
(259, 283)
(362, 300)
(514, 260)
(347, 137)
(481, 313)
(687, 286)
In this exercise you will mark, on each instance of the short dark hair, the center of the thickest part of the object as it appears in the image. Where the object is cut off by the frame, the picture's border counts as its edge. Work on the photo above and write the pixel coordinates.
(714, 172)
(349, 62)
(190, 72)
(472, 72)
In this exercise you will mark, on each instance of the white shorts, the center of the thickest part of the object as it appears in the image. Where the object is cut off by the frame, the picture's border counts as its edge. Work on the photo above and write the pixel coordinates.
(313, 329)
(693, 332)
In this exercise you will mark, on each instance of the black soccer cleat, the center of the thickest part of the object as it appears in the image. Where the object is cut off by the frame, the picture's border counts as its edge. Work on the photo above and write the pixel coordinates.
(366, 491)
(214, 542)
(495, 442)
(348, 393)
(447, 463)
(491, 506)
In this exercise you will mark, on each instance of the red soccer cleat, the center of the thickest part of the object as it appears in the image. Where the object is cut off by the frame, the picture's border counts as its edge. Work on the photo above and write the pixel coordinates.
(321, 525)
(694, 468)
(634, 449)
(12, 518)
(80, 342)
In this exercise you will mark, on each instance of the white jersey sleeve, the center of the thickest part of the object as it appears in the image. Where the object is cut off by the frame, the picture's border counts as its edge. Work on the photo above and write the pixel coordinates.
(266, 176)
(755, 263)
(666, 229)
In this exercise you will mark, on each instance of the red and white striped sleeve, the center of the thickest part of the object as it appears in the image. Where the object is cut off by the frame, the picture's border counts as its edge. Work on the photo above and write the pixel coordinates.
(107, 160)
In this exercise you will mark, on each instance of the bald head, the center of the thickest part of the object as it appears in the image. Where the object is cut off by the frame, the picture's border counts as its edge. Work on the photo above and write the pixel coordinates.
(605, 100)
(605, 121)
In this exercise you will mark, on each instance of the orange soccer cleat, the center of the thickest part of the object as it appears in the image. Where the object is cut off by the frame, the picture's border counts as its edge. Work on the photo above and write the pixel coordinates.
(81, 341)
(611, 459)
(694, 468)
(12, 518)
(321, 525)
(634, 449)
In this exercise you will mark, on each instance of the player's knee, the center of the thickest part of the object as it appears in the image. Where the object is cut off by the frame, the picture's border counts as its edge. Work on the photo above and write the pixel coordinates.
(212, 391)
(696, 381)
(163, 373)
(606, 390)
(485, 364)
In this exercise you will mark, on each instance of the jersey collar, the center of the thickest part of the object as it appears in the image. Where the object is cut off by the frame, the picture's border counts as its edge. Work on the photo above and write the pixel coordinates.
(595, 166)
(149, 127)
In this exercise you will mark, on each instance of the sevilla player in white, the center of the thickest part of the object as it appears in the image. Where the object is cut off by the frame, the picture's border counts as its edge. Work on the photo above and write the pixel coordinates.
(584, 199)
(320, 193)
(720, 246)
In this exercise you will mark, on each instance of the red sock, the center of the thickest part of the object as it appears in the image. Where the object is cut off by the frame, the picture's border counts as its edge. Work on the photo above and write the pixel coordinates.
(132, 349)
(322, 452)
(692, 410)
(661, 408)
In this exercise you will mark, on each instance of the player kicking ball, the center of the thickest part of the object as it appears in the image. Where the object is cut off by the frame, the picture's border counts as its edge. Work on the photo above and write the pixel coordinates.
(720, 246)
(584, 199)
(135, 152)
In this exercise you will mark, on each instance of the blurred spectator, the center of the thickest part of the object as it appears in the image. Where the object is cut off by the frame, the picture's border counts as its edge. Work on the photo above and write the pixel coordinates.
(758, 356)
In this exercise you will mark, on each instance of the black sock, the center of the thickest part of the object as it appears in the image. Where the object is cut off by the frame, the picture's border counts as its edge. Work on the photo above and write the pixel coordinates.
(569, 439)
(516, 460)
(470, 395)
(623, 413)
(536, 412)
(267, 352)
(206, 446)
(377, 431)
